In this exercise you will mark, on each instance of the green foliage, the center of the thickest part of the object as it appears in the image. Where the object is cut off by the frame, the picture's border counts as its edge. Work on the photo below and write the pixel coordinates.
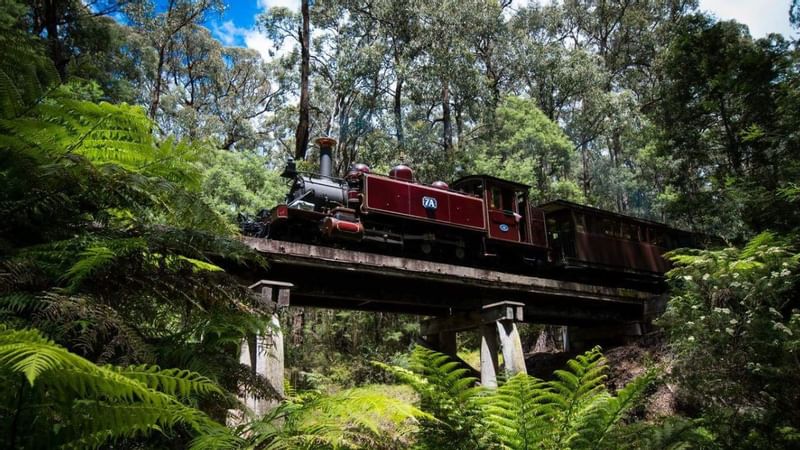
(455, 419)
(116, 244)
(528, 148)
(366, 417)
(107, 250)
(447, 391)
(239, 183)
(725, 119)
(668, 433)
(55, 399)
(353, 338)
(21, 84)
(573, 410)
(733, 323)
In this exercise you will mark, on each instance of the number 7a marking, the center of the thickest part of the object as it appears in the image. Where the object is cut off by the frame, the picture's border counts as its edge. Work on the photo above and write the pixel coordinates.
(429, 203)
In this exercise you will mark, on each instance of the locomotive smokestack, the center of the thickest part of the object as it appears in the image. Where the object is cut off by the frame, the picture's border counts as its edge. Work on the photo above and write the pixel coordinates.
(325, 145)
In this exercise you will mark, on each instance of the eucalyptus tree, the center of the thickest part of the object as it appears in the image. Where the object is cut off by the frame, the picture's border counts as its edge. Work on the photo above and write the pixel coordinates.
(588, 64)
(447, 63)
(304, 38)
(399, 27)
(160, 29)
(72, 29)
(527, 147)
(280, 24)
(248, 90)
(217, 93)
(724, 115)
(564, 81)
(349, 75)
(194, 86)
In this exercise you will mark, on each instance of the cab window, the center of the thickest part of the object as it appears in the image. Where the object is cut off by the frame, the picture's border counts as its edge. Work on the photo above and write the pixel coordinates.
(496, 199)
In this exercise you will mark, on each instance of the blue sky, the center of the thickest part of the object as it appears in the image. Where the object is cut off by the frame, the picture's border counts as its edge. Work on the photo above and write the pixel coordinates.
(237, 26)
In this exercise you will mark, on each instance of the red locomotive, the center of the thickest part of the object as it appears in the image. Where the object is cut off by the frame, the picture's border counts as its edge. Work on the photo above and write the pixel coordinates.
(477, 220)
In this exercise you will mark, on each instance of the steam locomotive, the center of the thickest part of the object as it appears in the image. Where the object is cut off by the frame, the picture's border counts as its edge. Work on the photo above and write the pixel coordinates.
(478, 220)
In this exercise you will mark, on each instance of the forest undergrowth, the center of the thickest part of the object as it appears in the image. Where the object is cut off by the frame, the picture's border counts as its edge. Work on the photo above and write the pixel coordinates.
(132, 137)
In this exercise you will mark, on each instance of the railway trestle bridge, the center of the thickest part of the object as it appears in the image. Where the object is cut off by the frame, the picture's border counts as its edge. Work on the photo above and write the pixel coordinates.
(451, 298)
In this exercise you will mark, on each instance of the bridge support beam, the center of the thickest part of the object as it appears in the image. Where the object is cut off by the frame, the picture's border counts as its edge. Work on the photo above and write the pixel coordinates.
(497, 325)
(489, 352)
(264, 354)
(510, 343)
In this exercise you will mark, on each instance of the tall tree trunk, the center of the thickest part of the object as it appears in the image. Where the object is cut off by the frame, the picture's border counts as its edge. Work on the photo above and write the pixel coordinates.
(585, 170)
(155, 98)
(459, 119)
(447, 121)
(616, 157)
(55, 44)
(301, 134)
(398, 112)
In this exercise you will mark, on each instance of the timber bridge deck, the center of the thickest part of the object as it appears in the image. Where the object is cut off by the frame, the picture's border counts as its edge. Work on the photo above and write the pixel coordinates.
(456, 299)
(335, 278)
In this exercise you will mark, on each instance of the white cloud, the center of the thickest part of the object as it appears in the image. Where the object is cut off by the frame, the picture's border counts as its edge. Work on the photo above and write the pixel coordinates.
(762, 17)
(231, 35)
(258, 41)
(227, 33)
(294, 5)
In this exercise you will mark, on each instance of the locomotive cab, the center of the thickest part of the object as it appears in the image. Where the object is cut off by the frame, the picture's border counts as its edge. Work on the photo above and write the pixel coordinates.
(509, 216)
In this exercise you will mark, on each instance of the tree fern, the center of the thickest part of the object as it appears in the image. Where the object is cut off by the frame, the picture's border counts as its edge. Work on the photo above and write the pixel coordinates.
(26, 74)
(514, 413)
(105, 247)
(669, 433)
(594, 426)
(363, 417)
(65, 400)
(573, 410)
(573, 392)
(449, 394)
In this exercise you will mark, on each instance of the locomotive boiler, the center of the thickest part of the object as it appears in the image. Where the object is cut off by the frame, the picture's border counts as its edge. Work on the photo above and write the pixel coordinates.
(477, 220)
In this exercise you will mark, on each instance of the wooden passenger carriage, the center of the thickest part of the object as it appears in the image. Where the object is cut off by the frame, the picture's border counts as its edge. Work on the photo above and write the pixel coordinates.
(587, 237)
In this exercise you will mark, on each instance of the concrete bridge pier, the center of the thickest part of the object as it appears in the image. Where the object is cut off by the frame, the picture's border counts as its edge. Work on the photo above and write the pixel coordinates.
(264, 353)
(499, 335)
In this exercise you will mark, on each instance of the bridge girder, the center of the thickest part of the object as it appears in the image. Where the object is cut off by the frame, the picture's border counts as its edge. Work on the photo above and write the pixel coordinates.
(336, 278)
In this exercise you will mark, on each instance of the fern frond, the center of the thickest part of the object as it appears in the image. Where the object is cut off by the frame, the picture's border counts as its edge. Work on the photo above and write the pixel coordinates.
(102, 403)
(759, 242)
(100, 254)
(218, 440)
(599, 419)
(363, 417)
(175, 382)
(25, 73)
(514, 414)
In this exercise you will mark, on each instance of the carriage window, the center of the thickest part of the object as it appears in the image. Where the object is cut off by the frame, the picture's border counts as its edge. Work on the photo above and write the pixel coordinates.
(604, 226)
(471, 188)
(630, 231)
(580, 223)
(661, 239)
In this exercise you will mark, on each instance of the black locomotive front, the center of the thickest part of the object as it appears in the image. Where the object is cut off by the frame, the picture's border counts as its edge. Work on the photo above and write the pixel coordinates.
(312, 192)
